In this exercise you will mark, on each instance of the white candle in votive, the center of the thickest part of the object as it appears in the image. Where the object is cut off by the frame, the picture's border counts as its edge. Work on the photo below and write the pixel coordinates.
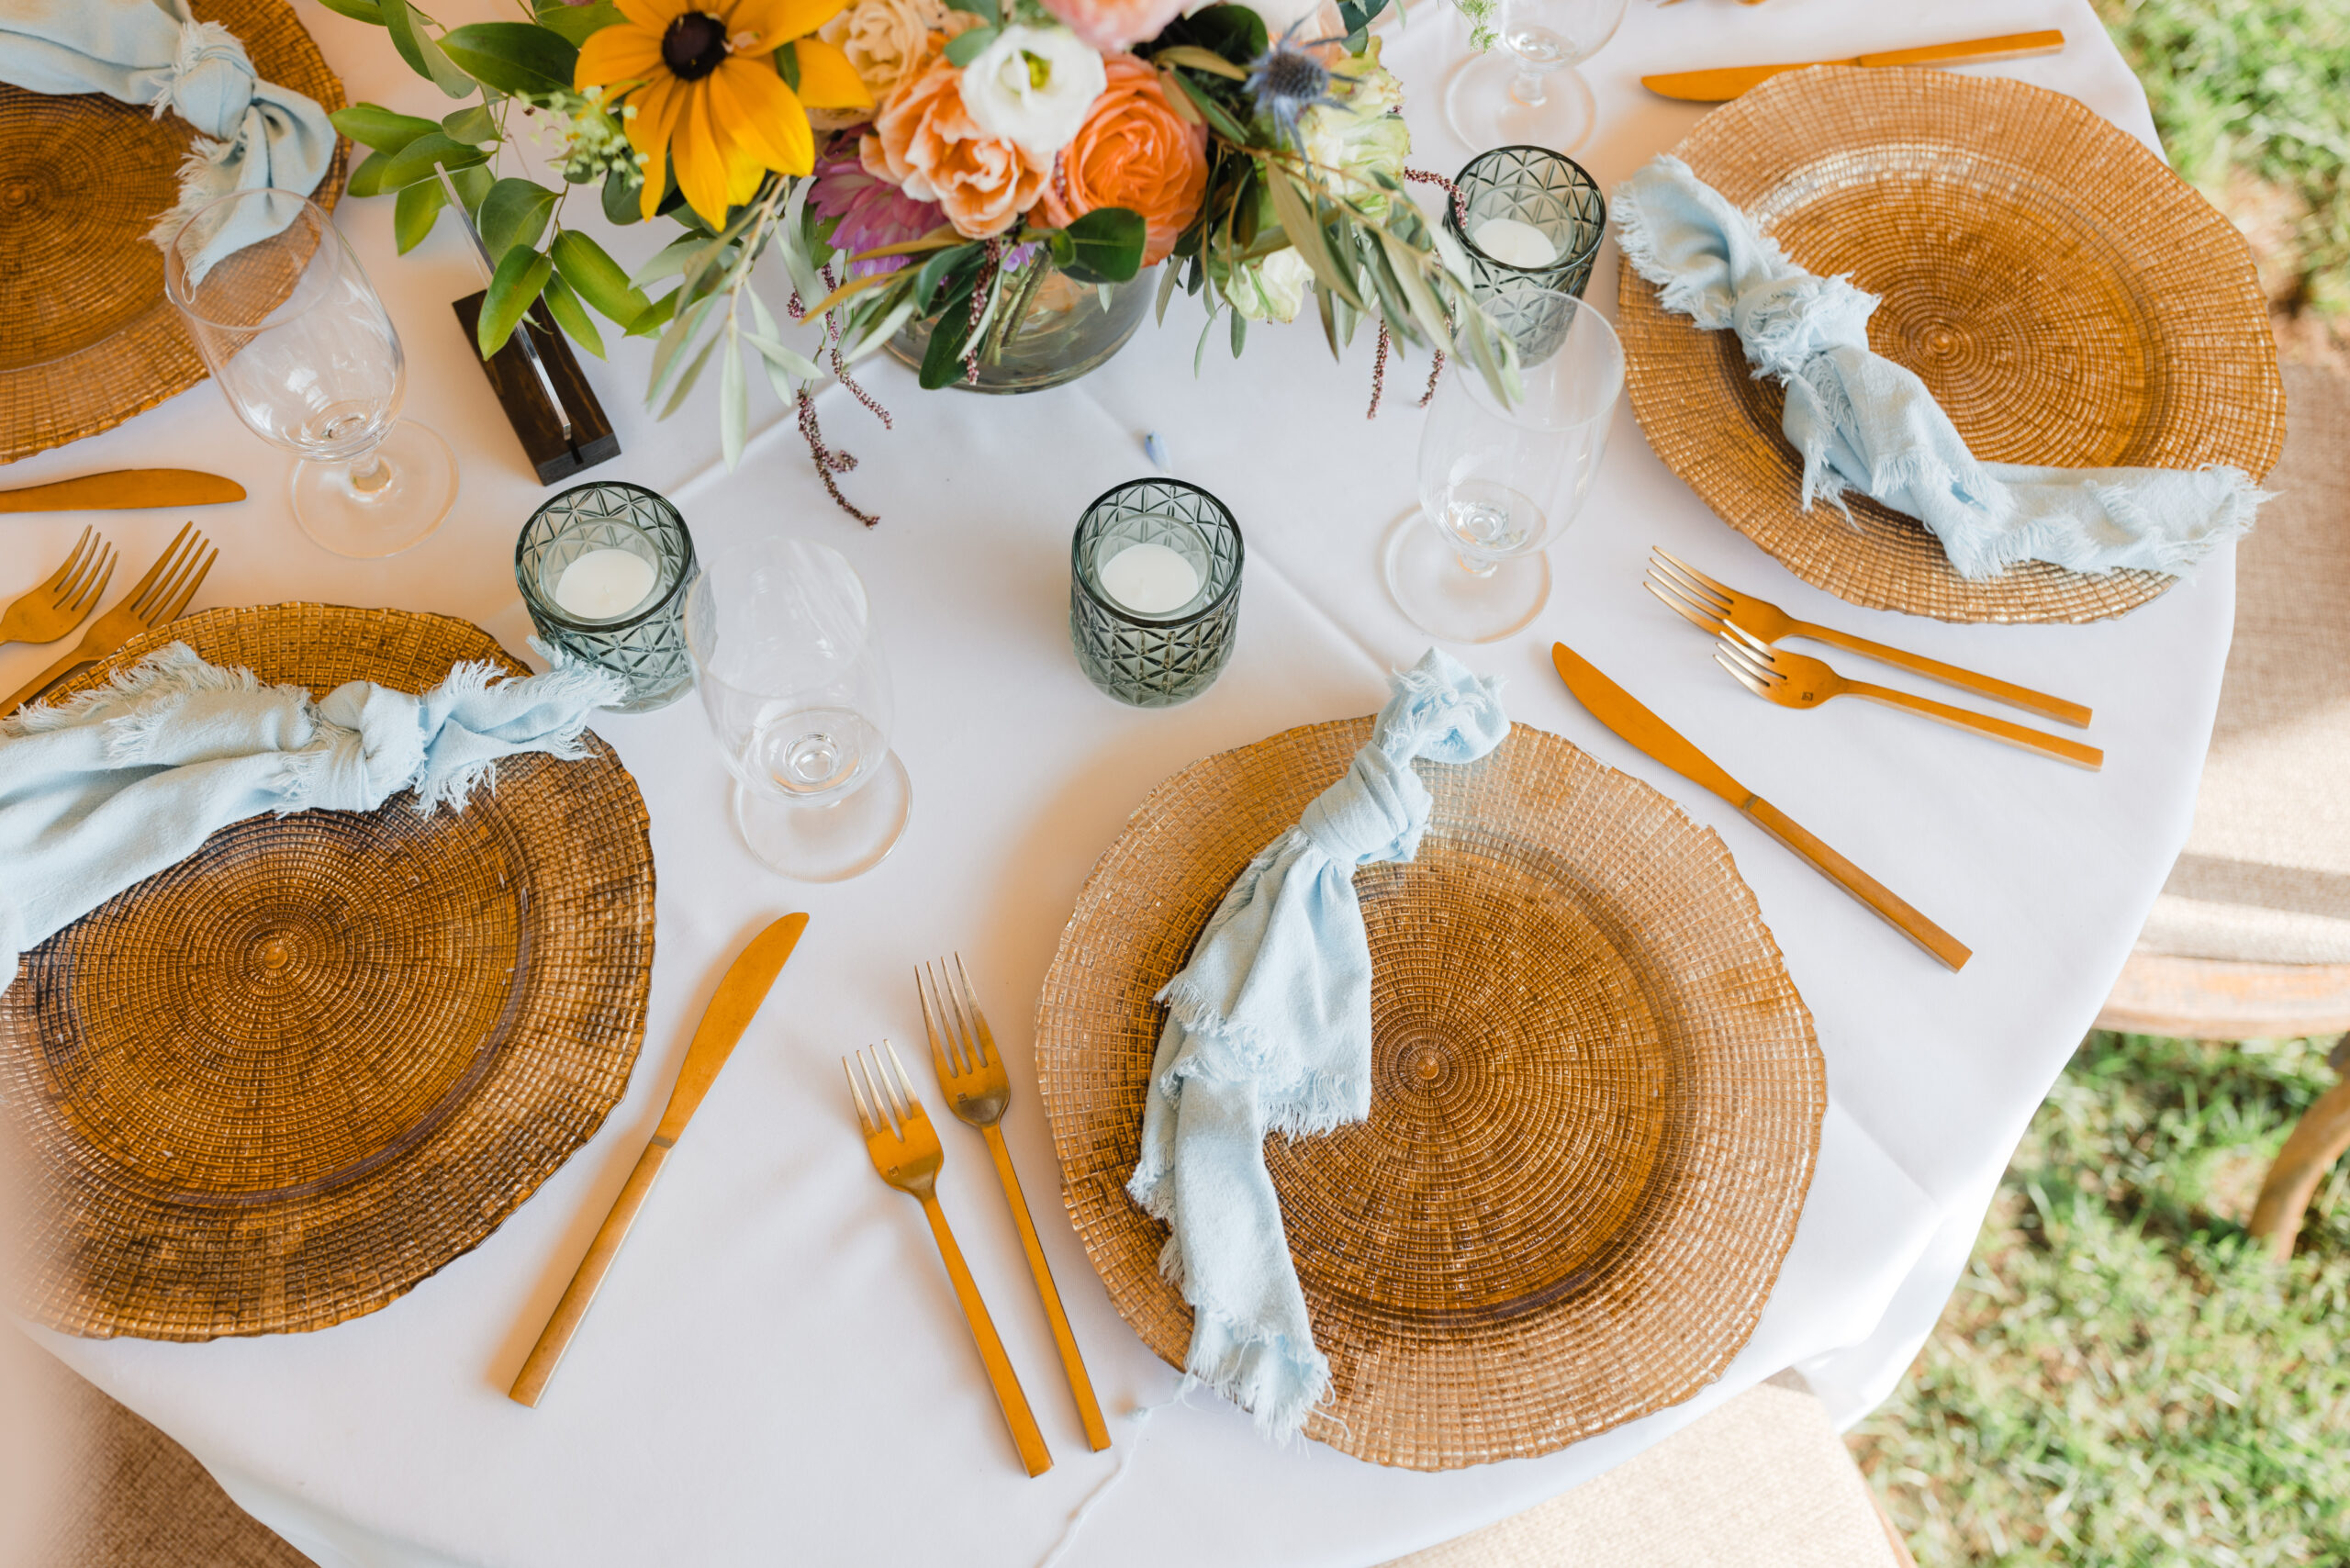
(603, 584)
(1514, 244)
(1150, 580)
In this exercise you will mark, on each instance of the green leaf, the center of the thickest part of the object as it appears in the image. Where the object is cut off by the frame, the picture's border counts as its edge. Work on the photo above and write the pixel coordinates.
(943, 362)
(622, 202)
(513, 57)
(1293, 205)
(787, 65)
(654, 319)
(686, 382)
(391, 171)
(357, 10)
(1240, 332)
(601, 281)
(572, 316)
(514, 213)
(522, 273)
(372, 125)
(1234, 32)
(964, 48)
(934, 271)
(413, 213)
(474, 123)
(666, 353)
(1198, 59)
(424, 56)
(668, 261)
(1167, 289)
(987, 11)
(783, 359)
(573, 23)
(1106, 245)
(1425, 309)
(733, 403)
(473, 187)
(1217, 117)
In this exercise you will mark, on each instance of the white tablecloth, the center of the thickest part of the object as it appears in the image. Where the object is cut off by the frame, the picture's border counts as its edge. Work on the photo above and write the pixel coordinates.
(776, 1370)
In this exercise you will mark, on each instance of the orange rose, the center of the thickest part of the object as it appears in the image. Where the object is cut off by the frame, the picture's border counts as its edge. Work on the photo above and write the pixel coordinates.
(925, 142)
(1135, 152)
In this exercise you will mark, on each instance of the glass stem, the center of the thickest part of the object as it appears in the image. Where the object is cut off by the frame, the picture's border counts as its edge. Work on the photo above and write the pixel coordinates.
(1527, 88)
(1477, 567)
(370, 474)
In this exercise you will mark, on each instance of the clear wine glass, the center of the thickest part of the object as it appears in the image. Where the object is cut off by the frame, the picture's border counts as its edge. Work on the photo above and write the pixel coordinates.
(1498, 484)
(789, 668)
(1527, 90)
(299, 344)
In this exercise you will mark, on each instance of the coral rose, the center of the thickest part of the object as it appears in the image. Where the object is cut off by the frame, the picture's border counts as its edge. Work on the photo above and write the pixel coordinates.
(1132, 151)
(1112, 24)
(926, 142)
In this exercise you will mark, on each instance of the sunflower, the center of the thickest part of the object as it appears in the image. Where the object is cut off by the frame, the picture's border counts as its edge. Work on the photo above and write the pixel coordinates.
(702, 79)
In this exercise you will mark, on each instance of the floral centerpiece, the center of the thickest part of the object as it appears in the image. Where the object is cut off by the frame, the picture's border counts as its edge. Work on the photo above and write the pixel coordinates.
(928, 171)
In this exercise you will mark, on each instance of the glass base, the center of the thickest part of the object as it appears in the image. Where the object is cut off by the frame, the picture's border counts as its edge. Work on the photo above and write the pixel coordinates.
(1448, 601)
(1485, 113)
(368, 525)
(828, 844)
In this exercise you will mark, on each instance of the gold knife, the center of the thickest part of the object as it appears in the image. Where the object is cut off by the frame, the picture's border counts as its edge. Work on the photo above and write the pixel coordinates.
(1721, 85)
(1622, 713)
(723, 1023)
(125, 487)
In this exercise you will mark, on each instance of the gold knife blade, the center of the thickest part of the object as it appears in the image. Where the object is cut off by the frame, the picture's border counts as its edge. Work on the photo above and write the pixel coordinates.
(1721, 84)
(747, 984)
(1623, 714)
(125, 487)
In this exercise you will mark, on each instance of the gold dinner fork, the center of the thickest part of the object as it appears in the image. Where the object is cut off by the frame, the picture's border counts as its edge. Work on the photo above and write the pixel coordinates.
(1701, 600)
(154, 600)
(972, 1076)
(905, 1150)
(45, 613)
(1792, 680)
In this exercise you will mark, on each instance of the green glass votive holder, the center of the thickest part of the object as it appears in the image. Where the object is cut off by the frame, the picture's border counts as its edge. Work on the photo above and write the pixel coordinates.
(604, 569)
(1530, 222)
(1154, 598)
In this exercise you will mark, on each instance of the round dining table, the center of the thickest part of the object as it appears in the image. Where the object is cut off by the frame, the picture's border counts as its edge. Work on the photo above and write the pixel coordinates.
(776, 1370)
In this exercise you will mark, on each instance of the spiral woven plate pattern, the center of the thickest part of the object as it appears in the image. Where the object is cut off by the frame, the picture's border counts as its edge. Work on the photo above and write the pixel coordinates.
(1595, 1106)
(86, 337)
(278, 1084)
(2068, 300)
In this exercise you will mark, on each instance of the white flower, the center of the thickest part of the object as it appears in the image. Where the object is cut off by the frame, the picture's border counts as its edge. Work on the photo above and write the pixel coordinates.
(1034, 86)
(1272, 289)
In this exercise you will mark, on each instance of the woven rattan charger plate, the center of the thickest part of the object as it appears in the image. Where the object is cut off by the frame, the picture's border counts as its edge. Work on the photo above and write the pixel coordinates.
(86, 337)
(2067, 298)
(1596, 1105)
(276, 1086)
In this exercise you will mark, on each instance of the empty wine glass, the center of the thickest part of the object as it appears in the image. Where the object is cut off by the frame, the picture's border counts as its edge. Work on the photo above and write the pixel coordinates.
(1527, 90)
(790, 673)
(301, 346)
(1499, 484)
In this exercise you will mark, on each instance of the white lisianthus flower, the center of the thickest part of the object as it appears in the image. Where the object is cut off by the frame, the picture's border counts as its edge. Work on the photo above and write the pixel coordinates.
(1271, 289)
(1034, 86)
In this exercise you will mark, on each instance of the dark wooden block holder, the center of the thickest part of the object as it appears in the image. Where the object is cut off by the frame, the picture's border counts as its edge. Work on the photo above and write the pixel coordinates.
(525, 401)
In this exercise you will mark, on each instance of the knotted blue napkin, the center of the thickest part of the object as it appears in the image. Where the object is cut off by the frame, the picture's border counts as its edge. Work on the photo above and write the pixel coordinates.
(103, 791)
(1862, 422)
(1269, 1030)
(249, 133)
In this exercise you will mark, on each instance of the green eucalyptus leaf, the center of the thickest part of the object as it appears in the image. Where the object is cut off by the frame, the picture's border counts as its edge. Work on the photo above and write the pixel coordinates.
(513, 57)
(423, 54)
(601, 280)
(1294, 204)
(522, 273)
(668, 261)
(941, 263)
(372, 125)
(692, 375)
(573, 23)
(1205, 101)
(572, 315)
(657, 317)
(733, 403)
(514, 213)
(1239, 333)
(1167, 289)
(1106, 245)
(413, 212)
(474, 123)
(357, 10)
(964, 48)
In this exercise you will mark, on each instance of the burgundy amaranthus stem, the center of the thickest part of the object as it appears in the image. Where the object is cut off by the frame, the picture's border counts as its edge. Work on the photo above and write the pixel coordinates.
(1378, 372)
(840, 365)
(1459, 202)
(828, 461)
(979, 304)
(1434, 371)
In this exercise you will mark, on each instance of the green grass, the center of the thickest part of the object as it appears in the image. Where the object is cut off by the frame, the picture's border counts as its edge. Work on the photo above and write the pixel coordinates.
(2122, 1378)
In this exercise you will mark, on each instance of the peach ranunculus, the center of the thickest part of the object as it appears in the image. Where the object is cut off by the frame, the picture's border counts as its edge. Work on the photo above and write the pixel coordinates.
(926, 142)
(884, 39)
(1132, 151)
(1110, 24)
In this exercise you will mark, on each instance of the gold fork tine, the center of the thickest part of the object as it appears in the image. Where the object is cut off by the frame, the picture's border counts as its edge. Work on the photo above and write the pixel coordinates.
(58, 578)
(1672, 601)
(942, 1058)
(171, 610)
(906, 1084)
(91, 583)
(857, 1092)
(1761, 649)
(1721, 590)
(1704, 589)
(152, 597)
(1740, 676)
(156, 571)
(975, 1037)
(1760, 668)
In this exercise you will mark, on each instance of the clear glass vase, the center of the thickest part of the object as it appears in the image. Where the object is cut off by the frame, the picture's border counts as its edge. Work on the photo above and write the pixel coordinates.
(1051, 330)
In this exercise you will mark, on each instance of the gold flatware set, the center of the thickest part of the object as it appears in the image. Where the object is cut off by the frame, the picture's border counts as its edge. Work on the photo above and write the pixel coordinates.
(125, 489)
(1725, 83)
(155, 599)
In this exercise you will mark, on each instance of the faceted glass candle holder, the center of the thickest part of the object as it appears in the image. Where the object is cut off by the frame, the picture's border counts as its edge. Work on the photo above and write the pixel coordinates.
(1534, 192)
(581, 561)
(1139, 635)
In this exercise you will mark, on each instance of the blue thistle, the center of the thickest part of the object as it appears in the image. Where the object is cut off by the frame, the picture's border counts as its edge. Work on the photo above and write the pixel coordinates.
(1286, 80)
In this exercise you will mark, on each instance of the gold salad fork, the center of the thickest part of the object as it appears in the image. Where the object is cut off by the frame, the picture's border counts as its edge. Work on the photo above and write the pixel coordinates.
(1791, 681)
(156, 599)
(972, 1076)
(47, 612)
(905, 1150)
(1712, 606)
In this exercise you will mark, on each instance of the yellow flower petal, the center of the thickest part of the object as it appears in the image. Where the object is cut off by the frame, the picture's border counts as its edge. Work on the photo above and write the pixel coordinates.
(653, 13)
(658, 104)
(702, 164)
(777, 22)
(618, 54)
(759, 114)
(827, 81)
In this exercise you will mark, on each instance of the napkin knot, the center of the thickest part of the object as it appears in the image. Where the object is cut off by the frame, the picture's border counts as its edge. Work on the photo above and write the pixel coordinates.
(211, 79)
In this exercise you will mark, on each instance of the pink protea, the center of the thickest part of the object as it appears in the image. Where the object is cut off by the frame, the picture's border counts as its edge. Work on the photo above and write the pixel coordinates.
(1112, 24)
(872, 211)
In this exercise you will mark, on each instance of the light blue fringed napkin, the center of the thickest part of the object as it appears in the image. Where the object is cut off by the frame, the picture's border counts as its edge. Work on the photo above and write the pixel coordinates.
(250, 133)
(1268, 1029)
(105, 789)
(1862, 422)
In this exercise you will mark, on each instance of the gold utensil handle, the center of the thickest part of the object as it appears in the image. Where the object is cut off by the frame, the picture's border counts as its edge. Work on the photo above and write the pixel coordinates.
(2074, 752)
(32, 689)
(1016, 1414)
(1858, 883)
(580, 1293)
(1088, 1409)
(2013, 695)
(2008, 46)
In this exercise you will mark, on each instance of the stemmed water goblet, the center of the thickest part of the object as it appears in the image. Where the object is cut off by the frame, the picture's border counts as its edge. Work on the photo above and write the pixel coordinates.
(789, 668)
(299, 344)
(1527, 90)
